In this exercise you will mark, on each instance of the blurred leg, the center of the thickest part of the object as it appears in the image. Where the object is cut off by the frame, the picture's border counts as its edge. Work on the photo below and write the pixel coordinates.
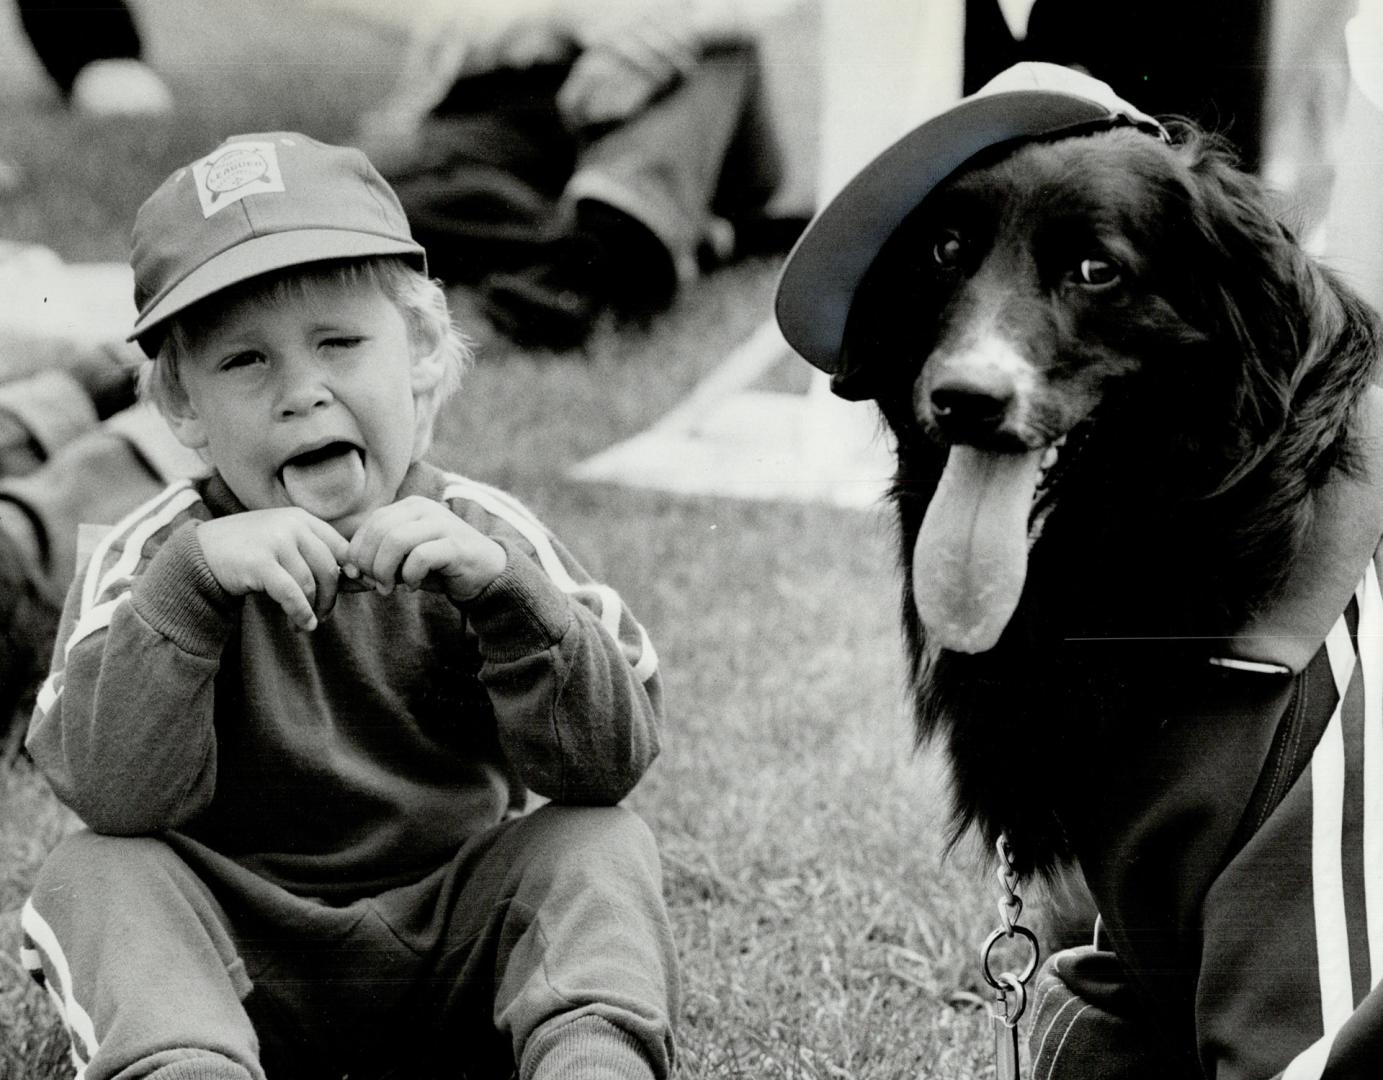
(666, 167)
(481, 190)
(640, 205)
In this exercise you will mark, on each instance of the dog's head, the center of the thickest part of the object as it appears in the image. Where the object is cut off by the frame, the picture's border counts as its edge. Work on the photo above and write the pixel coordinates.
(1092, 334)
(1007, 317)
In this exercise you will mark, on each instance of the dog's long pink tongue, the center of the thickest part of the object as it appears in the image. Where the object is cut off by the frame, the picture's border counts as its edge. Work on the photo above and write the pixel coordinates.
(971, 554)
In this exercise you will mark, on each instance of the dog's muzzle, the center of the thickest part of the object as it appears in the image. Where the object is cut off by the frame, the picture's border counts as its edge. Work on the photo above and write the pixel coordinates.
(970, 558)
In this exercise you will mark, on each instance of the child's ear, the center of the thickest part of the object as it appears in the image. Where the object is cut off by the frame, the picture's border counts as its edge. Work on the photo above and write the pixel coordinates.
(428, 369)
(187, 427)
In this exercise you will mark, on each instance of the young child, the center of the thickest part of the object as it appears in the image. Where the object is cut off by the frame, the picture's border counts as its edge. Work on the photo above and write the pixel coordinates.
(298, 704)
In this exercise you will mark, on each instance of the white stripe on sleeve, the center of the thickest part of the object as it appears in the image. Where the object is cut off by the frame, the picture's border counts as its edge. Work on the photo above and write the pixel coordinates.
(92, 583)
(1310, 1063)
(1371, 658)
(1327, 870)
(505, 507)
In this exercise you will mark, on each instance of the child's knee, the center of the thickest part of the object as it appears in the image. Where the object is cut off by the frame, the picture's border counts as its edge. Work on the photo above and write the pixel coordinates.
(90, 879)
(608, 842)
(88, 858)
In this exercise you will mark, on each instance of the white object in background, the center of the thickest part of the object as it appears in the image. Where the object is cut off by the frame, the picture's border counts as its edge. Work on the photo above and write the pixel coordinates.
(51, 307)
(726, 439)
(121, 86)
(1364, 39)
(1353, 230)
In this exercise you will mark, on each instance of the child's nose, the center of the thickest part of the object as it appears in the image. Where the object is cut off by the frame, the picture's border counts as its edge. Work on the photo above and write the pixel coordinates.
(304, 388)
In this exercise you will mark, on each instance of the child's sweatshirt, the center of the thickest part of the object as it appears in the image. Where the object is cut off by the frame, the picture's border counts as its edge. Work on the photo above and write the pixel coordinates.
(358, 756)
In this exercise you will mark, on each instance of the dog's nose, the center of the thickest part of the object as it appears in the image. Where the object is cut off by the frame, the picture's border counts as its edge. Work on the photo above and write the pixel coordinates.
(969, 411)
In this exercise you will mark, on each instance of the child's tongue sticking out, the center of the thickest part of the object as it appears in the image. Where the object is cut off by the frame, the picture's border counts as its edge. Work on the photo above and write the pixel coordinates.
(327, 484)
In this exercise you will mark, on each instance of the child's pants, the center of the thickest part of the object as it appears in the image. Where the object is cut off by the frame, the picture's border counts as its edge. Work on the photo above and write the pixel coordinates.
(172, 961)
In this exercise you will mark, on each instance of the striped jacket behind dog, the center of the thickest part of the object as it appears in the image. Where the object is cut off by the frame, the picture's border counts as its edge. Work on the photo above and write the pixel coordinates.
(1265, 924)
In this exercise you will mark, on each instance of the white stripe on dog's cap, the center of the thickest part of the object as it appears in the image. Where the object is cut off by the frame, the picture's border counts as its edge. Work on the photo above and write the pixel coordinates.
(819, 279)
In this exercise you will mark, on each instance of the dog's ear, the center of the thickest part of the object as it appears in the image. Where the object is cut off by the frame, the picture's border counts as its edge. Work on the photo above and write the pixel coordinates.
(1306, 345)
(854, 379)
(865, 350)
(883, 335)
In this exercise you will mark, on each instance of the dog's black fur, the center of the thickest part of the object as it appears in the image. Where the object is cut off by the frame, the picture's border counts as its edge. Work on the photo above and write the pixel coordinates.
(1212, 372)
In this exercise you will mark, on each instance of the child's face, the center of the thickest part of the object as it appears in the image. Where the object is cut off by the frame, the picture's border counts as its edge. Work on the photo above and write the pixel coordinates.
(307, 402)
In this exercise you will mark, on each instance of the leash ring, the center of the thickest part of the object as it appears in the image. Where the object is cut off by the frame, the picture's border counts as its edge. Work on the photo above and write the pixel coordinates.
(1012, 983)
(988, 947)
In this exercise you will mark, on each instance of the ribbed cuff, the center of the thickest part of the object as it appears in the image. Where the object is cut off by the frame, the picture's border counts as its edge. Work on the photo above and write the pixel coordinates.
(202, 1066)
(521, 612)
(587, 1048)
(179, 596)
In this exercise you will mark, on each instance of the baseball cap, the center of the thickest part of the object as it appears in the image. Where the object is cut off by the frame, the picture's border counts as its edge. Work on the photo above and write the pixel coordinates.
(1029, 100)
(258, 203)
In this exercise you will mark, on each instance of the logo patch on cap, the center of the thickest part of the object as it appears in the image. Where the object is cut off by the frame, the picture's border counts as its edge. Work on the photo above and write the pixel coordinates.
(234, 172)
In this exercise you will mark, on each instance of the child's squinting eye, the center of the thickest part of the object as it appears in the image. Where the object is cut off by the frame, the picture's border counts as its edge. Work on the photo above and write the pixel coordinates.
(342, 342)
(240, 360)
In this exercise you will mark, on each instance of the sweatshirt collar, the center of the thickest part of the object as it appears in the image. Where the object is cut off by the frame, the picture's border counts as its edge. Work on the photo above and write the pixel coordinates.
(1344, 536)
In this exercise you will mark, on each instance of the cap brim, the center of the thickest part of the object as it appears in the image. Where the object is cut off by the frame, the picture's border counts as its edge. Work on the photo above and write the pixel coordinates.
(265, 254)
(818, 282)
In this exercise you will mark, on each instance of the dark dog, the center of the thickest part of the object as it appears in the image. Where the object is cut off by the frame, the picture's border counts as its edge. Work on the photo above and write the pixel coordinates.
(1135, 490)
(1139, 381)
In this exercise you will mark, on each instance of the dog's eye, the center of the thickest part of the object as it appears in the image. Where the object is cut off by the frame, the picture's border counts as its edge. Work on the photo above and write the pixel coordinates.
(1096, 272)
(946, 251)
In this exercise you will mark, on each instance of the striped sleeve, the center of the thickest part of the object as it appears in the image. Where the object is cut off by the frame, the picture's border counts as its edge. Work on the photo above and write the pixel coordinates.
(572, 675)
(1346, 783)
(122, 725)
(1293, 970)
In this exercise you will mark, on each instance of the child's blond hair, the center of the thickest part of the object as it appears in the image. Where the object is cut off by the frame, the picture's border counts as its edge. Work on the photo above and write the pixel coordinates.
(433, 335)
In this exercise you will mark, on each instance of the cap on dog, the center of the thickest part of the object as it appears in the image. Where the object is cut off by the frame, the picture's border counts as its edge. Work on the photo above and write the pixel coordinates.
(258, 203)
(825, 267)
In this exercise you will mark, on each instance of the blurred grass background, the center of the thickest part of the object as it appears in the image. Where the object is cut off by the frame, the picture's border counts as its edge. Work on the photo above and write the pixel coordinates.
(822, 935)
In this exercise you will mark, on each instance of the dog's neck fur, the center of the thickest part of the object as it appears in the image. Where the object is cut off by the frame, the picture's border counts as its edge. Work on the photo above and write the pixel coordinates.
(1124, 613)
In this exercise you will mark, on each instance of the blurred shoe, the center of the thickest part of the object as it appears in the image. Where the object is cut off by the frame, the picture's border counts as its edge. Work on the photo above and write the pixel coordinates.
(606, 261)
(540, 307)
(630, 266)
(120, 87)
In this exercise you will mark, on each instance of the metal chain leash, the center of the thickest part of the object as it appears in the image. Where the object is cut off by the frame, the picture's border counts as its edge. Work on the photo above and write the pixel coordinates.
(1010, 990)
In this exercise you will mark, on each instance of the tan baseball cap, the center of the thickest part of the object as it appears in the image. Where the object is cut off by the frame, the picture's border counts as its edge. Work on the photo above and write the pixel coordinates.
(825, 267)
(258, 203)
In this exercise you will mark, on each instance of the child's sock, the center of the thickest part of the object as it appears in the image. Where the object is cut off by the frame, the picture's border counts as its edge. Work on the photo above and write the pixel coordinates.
(587, 1048)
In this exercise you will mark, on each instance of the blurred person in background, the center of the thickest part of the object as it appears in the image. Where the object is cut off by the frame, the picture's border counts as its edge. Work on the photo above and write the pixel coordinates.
(572, 157)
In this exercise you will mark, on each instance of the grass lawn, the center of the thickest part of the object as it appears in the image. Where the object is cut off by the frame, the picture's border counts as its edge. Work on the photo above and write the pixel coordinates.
(822, 935)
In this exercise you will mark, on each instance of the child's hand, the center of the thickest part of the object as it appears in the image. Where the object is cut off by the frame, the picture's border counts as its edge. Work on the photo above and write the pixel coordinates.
(421, 544)
(287, 554)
